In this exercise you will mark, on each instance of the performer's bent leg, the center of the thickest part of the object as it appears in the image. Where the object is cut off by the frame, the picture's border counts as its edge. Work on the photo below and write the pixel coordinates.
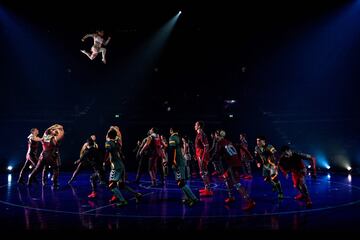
(248, 167)
(33, 174)
(229, 186)
(21, 177)
(55, 177)
(301, 186)
(137, 195)
(43, 175)
(139, 170)
(205, 177)
(115, 190)
(93, 55)
(243, 193)
(165, 170)
(103, 53)
(188, 170)
(89, 55)
(277, 185)
(190, 197)
(305, 192)
(152, 170)
(93, 178)
(217, 167)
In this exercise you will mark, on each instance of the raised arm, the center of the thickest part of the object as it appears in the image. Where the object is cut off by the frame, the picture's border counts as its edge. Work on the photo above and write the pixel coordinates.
(87, 36)
(83, 149)
(59, 133)
(118, 134)
(107, 41)
(34, 138)
(146, 145)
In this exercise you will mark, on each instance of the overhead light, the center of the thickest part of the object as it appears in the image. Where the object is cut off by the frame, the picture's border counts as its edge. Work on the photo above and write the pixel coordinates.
(230, 101)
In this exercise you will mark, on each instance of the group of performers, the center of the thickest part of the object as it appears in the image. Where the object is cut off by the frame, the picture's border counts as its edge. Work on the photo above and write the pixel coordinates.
(231, 163)
(49, 157)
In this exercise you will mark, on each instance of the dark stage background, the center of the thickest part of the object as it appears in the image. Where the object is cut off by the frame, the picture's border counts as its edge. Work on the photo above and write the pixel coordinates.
(291, 67)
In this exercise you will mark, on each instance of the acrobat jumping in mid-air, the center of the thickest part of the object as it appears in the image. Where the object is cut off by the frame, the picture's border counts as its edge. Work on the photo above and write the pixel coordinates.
(98, 46)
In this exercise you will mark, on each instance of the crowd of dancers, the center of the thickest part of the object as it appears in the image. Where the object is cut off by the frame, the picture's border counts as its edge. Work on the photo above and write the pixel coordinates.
(231, 162)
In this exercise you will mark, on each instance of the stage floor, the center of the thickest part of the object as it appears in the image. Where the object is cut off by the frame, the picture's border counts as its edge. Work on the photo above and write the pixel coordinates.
(336, 205)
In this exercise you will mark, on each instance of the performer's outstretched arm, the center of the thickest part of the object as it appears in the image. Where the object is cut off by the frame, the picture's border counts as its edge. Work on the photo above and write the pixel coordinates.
(107, 41)
(83, 148)
(312, 160)
(87, 36)
(36, 138)
(146, 145)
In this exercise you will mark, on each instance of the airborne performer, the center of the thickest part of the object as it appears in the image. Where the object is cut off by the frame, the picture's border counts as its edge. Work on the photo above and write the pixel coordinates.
(98, 46)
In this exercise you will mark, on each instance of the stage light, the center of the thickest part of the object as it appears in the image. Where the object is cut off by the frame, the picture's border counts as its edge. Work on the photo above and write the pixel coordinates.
(30, 167)
(343, 161)
(179, 12)
(322, 161)
(10, 168)
(117, 115)
(231, 116)
(349, 177)
(328, 176)
(230, 101)
(309, 166)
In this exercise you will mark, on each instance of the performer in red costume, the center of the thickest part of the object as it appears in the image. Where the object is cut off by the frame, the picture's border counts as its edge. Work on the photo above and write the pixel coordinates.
(227, 154)
(202, 157)
(49, 155)
(291, 161)
(154, 146)
(245, 156)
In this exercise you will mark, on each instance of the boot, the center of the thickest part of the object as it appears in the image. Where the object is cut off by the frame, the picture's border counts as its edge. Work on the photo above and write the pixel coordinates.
(92, 195)
(230, 200)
